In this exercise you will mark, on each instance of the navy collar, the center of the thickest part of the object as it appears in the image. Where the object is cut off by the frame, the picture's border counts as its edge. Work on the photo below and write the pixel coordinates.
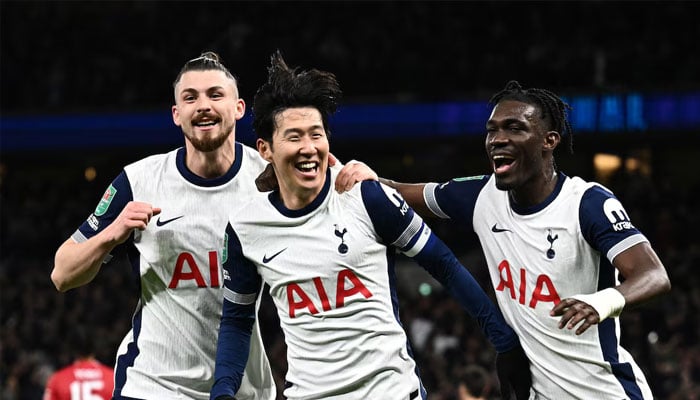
(277, 202)
(198, 180)
(561, 177)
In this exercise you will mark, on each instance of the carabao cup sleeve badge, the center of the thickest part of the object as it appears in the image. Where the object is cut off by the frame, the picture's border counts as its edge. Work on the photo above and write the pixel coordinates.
(106, 200)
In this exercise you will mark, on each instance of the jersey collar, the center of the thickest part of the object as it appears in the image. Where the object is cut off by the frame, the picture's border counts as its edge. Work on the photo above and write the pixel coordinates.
(198, 180)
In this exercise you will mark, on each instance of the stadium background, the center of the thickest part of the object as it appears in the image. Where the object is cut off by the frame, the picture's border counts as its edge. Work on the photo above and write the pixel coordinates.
(83, 62)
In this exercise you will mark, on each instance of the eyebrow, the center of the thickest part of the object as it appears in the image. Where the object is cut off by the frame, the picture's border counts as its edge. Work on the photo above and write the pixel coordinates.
(208, 90)
(506, 121)
(301, 130)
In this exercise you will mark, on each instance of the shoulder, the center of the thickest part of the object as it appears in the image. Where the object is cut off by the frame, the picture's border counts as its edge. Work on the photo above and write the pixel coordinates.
(149, 163)
(251, 210)
(252, 157)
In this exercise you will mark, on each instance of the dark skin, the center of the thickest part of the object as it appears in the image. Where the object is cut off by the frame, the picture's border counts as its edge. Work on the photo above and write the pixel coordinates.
(520, 145)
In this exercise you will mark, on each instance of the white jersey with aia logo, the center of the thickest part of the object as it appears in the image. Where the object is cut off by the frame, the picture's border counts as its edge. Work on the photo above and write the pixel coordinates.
(169, 352)
(539, 255)
(330, 267)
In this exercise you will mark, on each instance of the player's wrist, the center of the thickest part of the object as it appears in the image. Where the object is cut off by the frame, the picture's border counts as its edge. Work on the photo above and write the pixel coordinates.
(607, 302)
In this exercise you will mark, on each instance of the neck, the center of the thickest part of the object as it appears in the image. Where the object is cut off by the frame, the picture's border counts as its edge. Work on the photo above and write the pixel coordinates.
(535, 191)
(210, 164)
(296, 198)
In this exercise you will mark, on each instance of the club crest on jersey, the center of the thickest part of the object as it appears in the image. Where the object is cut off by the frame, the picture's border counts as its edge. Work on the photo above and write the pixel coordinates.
(617, 215)
(342, 248)
(106, 200)
(550, 252)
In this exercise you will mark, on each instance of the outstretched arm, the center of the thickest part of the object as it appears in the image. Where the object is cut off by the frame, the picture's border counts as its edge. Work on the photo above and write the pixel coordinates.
(76, 263)
(512, 365)
(413, 194)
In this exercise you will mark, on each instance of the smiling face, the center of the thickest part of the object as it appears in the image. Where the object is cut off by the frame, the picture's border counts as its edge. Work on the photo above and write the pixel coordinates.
(299, 155)
(207, 108)
(520, 147)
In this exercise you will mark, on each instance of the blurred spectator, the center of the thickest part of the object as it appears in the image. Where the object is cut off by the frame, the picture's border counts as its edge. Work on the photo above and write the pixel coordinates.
(85, 378)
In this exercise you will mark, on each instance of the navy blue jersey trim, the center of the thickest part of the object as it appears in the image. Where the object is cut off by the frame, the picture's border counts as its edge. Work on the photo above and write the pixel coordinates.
(277, 202)
(126, 360)
(218, 181)
(561, 177)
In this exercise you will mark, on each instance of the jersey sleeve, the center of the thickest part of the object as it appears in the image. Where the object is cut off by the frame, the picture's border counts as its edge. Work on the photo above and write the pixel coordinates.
(397, 224)
(605, 224)
(113, 201)
(455, 199)
(242, 284)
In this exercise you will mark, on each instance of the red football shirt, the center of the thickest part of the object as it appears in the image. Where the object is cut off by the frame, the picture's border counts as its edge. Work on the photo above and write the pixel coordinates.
(83, 380)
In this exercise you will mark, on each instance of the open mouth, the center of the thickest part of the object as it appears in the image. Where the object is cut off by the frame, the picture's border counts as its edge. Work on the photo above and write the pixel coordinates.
(502, 163)
(204, 123)
(307, 166)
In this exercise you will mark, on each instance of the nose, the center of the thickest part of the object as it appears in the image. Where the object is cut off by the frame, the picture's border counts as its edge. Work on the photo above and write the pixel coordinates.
(203, 104)
(496, 138)
(308, 146)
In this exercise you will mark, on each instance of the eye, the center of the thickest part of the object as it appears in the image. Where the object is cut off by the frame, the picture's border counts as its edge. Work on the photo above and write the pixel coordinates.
(188, 99)
(217, 95)
(515, 128)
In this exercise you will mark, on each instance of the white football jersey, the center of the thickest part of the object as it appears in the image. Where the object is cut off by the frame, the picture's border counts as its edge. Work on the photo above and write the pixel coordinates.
(539, 255)
(170, 351)
(332, 279)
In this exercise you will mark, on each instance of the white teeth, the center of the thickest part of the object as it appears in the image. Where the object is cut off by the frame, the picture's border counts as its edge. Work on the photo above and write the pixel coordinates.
(307, 165)
(207, 123)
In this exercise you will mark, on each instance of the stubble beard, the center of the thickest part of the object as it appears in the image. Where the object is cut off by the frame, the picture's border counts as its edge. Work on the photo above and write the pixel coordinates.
(207, 143)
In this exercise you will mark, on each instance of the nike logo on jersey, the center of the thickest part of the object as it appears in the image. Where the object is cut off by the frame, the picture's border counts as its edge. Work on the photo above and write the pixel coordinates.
(167, 221)
(267, 259)
(496, 229)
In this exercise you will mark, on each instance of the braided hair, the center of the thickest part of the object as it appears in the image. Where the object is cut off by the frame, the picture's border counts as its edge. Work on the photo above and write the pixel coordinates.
(552, 107)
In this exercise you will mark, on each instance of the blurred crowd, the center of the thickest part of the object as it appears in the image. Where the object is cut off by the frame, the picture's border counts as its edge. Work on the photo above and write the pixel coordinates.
(42, 204)
(124, 55)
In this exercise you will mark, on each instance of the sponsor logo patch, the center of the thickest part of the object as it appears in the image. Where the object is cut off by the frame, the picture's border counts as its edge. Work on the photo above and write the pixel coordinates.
(224, 252)
(469, 178)
(105, 201)
(93, 222)
(617, 215)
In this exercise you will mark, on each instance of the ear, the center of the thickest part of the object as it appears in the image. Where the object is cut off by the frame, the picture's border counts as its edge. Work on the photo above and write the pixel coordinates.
(240, 109)
(551, 140)
(176, 115)
(264, 149)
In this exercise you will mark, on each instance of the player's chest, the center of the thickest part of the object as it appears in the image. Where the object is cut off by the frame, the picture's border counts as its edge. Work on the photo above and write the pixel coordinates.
(322, 251)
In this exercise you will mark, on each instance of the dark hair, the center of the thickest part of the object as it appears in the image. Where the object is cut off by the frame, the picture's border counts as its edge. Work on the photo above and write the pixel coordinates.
(205, 62)
(289, 88)
(552, 107)
(476, 380)
(80, 341)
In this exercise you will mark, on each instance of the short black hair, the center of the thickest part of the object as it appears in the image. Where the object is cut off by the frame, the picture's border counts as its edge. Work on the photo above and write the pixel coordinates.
(206, 61)
(552, 107)
(290, 88)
